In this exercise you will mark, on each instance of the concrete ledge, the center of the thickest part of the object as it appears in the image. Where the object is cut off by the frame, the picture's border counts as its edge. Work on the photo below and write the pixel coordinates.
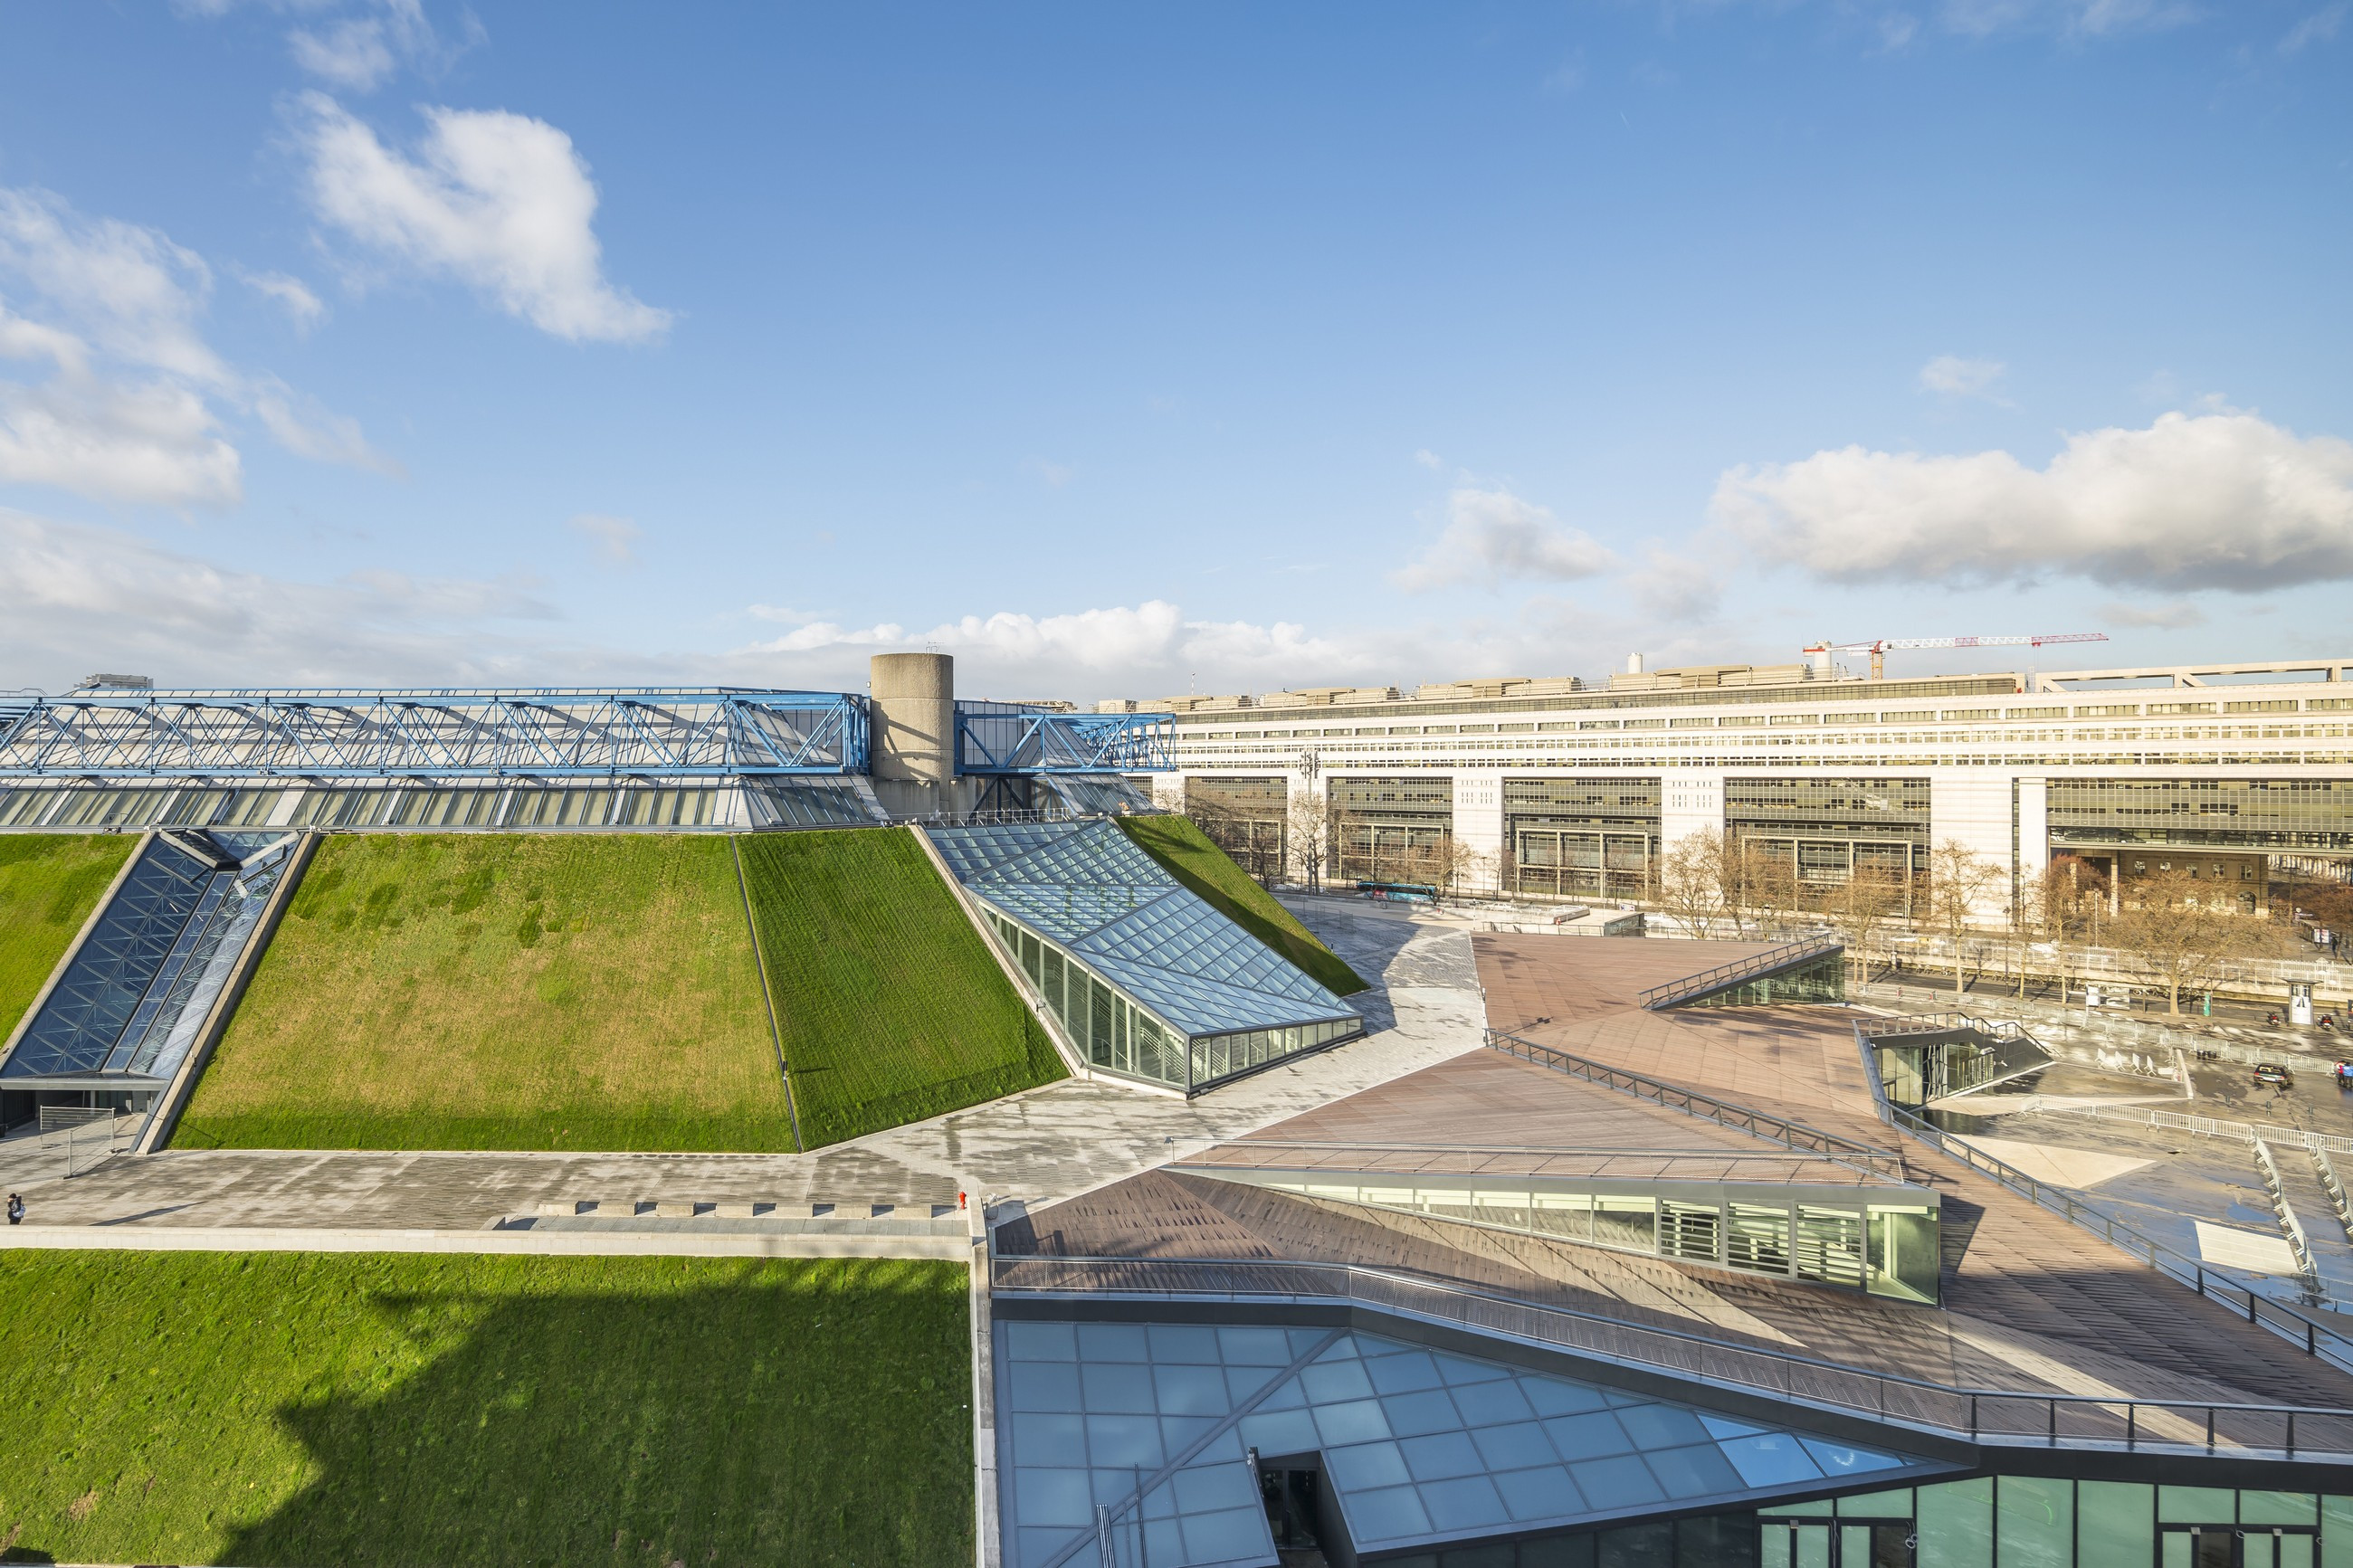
(955, 1248)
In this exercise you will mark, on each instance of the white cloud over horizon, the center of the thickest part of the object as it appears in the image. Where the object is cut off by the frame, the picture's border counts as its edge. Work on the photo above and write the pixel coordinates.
(2222, 499)
(497, 202)
(74, 598)
(1957, 376)
(132, 403)
(1493, 536)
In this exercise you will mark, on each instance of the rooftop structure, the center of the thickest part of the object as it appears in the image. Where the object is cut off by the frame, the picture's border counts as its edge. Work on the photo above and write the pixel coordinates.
(645, 757)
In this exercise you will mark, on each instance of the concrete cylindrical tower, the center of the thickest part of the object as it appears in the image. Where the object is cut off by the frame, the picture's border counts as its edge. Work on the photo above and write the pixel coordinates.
(913, 730)
(1633, 664)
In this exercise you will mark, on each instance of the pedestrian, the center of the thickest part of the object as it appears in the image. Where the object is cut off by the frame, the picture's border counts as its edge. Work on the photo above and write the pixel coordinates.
(15, 1208)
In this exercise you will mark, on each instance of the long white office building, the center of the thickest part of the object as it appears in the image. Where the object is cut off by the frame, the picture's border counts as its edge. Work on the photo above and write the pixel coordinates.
(2241, 772)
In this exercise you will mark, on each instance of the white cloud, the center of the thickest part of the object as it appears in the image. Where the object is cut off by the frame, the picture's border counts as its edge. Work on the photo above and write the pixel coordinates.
(2317, 29)
(1959, 377)
(297, 422)
(134, 402)
(356, 45)
(131, 440)
(2076, 18)
(2174, 616)
(1429, 459)
(498, 202)
(1492, 535)
(302, 307)
(1673, 588)
(1055, 475)
(614, 537)
(131, 291)
(2210, 500)
(74, 598)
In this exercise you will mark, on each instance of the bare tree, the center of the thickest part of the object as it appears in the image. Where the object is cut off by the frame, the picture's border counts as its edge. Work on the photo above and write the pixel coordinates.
(1865, 905)
(2180, 931)
(1308, 834)
(1958, 880)
(2064, 905)
(1690, 882)
(1769, 885)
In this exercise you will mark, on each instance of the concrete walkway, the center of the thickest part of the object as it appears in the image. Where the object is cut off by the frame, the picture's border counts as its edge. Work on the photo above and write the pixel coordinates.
(1037, 1147)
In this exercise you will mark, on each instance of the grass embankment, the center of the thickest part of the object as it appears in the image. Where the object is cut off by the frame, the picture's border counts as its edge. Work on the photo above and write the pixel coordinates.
(478, 990)
(268, 1408)
(1209, 871)
(891, 1007)
(49, 884)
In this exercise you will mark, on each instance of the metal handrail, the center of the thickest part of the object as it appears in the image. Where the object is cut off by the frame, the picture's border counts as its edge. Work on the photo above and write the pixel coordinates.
(1930, 1023)
(1979, 1414)
(1756, 964)
(2323, 1341)
(2275, 1185)
(1706, 1107)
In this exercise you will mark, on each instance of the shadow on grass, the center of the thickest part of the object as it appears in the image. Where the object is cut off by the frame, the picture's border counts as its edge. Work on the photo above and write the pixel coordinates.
(758, 1421)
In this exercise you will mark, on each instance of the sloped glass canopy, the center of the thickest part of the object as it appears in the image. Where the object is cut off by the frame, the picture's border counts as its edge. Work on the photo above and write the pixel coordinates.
(1151, 980)
(134, 996)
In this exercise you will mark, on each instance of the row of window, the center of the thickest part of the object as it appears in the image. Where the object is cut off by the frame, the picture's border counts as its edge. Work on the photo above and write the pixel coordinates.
(2058, 1524)
(1910, 715)
(1889, 1249)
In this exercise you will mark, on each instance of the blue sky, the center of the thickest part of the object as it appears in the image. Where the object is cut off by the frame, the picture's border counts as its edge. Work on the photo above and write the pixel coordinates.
(1124, 350)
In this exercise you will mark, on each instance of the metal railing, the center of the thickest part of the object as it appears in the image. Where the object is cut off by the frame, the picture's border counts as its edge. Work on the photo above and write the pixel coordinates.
(1936, 1023)
(2290, 1227)
(2328, 1341)
(2212, 1127)
(2329, 1183)
(1786, 956)
(1706, 1107)
(1983, 1416)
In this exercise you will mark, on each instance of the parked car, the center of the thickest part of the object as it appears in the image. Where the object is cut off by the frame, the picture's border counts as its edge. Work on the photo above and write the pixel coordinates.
(2272, 1073)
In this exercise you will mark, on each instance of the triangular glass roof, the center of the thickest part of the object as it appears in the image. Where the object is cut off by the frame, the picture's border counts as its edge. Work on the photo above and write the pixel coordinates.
(1087, 886)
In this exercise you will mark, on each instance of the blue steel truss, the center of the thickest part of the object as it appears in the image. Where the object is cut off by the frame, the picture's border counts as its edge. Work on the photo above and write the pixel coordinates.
(996, 738)
(714, 732)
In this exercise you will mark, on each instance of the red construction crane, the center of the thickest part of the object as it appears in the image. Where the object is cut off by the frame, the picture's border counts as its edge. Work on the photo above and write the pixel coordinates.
(1878, 650)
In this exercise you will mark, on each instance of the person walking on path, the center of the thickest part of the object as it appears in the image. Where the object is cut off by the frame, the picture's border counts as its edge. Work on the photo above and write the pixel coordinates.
(15, 1208)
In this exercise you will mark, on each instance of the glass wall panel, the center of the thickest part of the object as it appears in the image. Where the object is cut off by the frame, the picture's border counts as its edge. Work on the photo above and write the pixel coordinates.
(1757, 1238)
(1627, 1222)
(2279, 1507)
(1905, 1258)
(2036, 1527)
(1955, 1524)
(2115, 1524)
(1830, 1246)
(2197, 1504)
